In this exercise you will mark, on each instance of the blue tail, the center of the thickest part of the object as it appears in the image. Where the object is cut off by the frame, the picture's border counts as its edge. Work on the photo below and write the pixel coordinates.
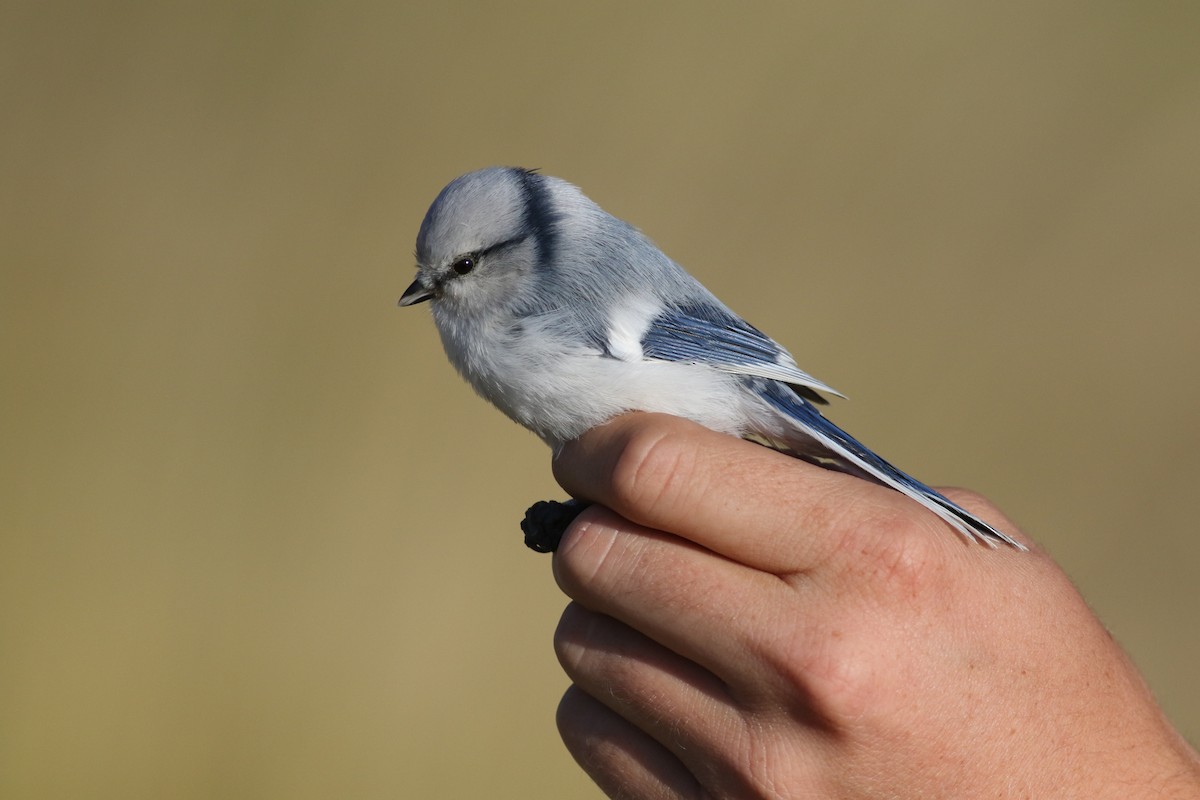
(849, 455)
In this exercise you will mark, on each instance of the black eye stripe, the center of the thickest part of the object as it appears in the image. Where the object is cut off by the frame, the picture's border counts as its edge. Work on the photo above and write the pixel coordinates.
(468, 261)
(502, 245)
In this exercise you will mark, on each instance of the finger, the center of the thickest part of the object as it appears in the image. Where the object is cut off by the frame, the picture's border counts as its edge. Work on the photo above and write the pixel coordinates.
(640, 679)
(740, 499)
(689, 600)
(622, 760)
(682, 707)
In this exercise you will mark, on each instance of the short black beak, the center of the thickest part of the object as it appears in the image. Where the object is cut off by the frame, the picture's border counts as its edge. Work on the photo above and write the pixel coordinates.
(416, 293)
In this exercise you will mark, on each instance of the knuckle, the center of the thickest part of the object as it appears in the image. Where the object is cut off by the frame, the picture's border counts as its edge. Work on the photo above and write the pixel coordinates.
(570, 713)
(649, 467)
(903, 560)
(570, 637)
(589, 560)
(598, 655)
(892, 573)
(592, 649)
(836, 672)
(892, 552)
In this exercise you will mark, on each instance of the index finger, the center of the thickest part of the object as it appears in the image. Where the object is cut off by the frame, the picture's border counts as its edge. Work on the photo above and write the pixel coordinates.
(744, 501)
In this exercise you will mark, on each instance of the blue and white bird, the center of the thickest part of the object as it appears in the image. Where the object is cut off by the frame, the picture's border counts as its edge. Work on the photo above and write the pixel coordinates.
(564, 317)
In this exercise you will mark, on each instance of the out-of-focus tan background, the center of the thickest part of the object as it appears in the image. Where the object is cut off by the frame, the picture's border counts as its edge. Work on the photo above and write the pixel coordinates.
(258, 540)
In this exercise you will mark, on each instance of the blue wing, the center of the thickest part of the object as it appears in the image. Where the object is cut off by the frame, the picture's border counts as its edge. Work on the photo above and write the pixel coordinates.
(710, 334)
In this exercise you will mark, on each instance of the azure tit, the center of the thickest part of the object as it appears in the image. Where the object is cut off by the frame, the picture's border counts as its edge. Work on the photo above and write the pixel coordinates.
(564, 317)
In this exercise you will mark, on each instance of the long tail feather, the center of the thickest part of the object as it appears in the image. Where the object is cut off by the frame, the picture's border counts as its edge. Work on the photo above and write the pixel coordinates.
(850, 455)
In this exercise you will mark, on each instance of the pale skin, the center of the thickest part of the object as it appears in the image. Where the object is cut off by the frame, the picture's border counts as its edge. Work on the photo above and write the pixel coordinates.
(745, 625)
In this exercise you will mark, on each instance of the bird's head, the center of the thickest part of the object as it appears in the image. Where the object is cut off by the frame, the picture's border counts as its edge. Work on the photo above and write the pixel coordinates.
(485, 232)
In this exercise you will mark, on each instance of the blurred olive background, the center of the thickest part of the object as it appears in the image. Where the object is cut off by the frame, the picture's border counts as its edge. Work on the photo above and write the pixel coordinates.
(259, 540)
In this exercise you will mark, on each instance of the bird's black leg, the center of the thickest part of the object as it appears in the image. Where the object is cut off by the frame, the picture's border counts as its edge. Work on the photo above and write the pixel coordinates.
(546, 521)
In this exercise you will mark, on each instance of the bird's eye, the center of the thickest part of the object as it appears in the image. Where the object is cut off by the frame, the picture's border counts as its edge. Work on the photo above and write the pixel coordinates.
(463, 265)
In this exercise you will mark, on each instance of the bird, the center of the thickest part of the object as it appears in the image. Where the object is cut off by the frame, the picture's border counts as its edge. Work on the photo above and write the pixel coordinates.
(564, 316)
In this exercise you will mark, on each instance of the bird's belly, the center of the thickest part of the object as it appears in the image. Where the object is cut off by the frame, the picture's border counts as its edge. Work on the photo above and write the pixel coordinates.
(582, 391)
(558, 387)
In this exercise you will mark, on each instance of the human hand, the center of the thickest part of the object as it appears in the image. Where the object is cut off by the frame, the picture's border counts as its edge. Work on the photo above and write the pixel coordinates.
(747, 625)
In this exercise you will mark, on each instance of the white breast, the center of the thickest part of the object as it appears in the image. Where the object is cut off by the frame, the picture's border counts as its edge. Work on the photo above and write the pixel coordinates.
(558, 387)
